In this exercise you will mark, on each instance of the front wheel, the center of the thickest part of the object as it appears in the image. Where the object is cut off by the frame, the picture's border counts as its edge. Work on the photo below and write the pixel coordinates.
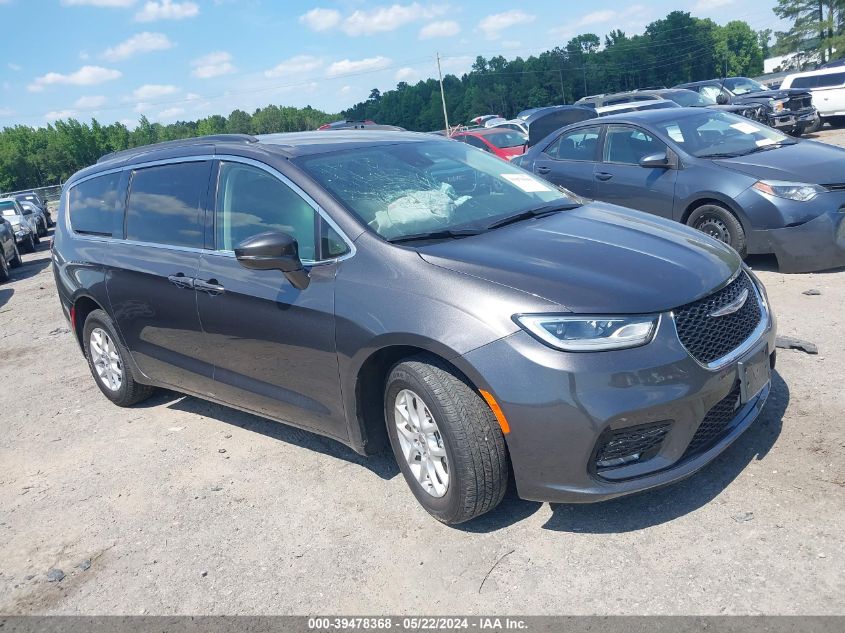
(29, 243)
(107, 361)
(718, 222)
(4, 266)
(446, 440)
(16, 260)
(42, 228)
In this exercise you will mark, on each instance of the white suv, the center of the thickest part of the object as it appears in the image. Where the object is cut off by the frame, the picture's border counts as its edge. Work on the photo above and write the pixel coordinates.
(827, 86)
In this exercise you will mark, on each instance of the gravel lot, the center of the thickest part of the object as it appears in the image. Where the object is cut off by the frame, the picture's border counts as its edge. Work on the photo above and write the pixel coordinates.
(181, 506)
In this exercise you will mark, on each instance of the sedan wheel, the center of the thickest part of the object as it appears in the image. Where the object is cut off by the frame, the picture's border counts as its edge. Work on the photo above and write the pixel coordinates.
(717, 222)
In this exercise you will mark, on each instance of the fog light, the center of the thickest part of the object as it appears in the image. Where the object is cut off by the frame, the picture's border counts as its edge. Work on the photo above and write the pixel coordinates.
(618, 461)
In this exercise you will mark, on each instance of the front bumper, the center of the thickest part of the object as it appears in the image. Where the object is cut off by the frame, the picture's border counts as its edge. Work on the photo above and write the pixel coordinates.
(791, 118)
(559, 405)
(818, 244)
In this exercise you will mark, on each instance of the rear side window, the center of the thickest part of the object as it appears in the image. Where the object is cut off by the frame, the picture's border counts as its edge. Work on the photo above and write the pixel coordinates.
(96, 205)
(579, 144)
(829, 81)
(166, 204)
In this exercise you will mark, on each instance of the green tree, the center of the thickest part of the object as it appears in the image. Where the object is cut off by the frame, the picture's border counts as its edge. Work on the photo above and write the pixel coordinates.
(817, 26)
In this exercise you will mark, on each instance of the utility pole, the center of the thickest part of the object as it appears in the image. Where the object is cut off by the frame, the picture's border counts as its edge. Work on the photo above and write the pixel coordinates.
(562, 92)
(442, 95)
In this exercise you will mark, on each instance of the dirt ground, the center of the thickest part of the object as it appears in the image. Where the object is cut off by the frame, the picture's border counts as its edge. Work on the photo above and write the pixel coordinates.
(179, 506)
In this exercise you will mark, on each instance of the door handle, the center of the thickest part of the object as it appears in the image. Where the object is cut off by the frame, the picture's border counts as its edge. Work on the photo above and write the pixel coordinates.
(211, 287)
(180, 281)
(603, 175)
(543, 170)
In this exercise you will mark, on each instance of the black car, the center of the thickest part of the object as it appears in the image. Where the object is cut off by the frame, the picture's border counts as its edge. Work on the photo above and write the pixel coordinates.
(790, 111)
(34, 198)
(397, 289)
(10, 256)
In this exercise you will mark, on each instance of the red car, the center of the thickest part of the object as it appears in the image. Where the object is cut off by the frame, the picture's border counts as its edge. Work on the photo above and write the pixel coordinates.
(503, 143)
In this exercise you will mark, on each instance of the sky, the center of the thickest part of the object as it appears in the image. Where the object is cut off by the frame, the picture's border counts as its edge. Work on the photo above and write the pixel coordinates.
(170, 60)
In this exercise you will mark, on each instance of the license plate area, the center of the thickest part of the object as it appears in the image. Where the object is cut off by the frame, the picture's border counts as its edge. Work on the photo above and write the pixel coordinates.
(754, 374)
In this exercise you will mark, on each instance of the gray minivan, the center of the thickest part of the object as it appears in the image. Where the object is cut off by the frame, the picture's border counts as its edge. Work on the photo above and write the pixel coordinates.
(390, 288)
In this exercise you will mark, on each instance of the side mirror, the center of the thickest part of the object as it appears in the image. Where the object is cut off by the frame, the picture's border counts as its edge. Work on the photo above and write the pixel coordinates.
(722, 99)
(273, 251)
(655, 160)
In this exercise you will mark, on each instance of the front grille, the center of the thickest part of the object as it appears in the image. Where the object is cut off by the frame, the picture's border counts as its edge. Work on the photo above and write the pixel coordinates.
(715, 424)
(634, 444)
(800, 103)
(709, 338)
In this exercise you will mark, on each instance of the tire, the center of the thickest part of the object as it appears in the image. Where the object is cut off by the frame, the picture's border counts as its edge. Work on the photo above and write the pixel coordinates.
(35, 239)
(128, 391)
(815, 126)
(718, 222)
(29, 244)
(42, 229)
(465, 432)
(4, 266)
(16, 260)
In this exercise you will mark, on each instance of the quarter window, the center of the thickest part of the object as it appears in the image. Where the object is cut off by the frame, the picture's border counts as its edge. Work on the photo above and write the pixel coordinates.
(96, 206)
(251, 201)
(166, 204)
(579, 144)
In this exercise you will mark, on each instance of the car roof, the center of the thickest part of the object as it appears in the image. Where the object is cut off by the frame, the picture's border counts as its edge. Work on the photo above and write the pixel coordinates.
(648, 116)
(830, 70)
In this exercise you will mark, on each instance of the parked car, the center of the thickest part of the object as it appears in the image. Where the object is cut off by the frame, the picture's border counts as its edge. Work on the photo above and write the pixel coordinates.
(790, 111)
(517, 125)
(688, 99)
(827, 85)
(505, 144)
(10, 256)
(636, 106)
(481, 120)
(400, 289)
(26, 235)
(348, 124)
(36, 215)
(34, 198)
(835, 63)
(739, 181)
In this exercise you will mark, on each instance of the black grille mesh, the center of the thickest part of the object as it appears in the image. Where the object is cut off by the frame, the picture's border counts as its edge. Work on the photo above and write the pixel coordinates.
(644, 439)
(716, 424)
(709, 338)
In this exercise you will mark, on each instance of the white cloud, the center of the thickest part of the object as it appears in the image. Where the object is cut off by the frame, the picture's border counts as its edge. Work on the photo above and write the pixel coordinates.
(90, 102)
(632, 16)
(118, 4)
(170, 113)
(511, 44)
(320, 19)
(6, 112)
(493, 25)
(145, 42)
(55, 115)
(446, 28)
(294, 65)
(153, 91)
(167, 10)
(347, 66)
(13, 66)
(389, 18)
(706, 5)
(407, 74)
(85, 76)
(597, 17)
(213, 65)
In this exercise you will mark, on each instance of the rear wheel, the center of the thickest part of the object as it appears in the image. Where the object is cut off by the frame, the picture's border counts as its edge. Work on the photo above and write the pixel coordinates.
(107, 361)
(4, 266)
(718, 222)
(446, 440)
(42, 228)
(29, 243)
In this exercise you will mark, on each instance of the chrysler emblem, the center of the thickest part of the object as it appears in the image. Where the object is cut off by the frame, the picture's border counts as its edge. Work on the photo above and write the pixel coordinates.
(733, 306)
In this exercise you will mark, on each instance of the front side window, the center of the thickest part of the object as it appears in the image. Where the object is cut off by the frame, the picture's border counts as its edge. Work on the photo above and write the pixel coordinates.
(165, 204)
(711, 93)
(629, 145)
(405, 189)
(579, 144)
(252, 201)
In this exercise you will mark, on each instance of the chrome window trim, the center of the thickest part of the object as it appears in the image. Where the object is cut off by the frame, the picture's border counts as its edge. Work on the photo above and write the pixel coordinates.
(749, 343)
(200, 158)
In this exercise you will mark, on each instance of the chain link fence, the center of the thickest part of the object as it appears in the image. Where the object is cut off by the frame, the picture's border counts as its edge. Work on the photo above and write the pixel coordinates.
(50, 195)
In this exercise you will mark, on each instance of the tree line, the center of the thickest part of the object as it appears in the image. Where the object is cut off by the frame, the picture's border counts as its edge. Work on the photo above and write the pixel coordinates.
(36, 157)
(675, 49)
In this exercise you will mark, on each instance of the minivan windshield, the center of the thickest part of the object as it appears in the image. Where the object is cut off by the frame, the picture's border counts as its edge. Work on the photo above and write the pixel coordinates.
(412, 188)
(714, 134)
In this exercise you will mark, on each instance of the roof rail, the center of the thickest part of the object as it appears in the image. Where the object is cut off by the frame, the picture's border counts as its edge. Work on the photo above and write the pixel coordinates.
(196, 140)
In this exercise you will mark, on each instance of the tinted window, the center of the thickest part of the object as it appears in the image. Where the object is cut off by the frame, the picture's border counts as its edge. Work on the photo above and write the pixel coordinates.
(96, 205)
(475, 142)
(251, 201)
(805, 82)
(827, 81)
(332, 244)
(579, 144)
(165, 204)
(629, 145)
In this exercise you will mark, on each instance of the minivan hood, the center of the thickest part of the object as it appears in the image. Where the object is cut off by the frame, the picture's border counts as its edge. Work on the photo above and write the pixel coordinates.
(597, 259)
(806, 161)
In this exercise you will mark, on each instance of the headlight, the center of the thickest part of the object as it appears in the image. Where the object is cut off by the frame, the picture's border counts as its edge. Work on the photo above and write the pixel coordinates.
(777, 106)
(799, 191)
(589, 333)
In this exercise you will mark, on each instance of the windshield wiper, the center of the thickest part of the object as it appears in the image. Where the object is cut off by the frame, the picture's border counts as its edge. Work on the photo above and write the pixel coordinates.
(434, 235)
(532, 213)
(768, 146)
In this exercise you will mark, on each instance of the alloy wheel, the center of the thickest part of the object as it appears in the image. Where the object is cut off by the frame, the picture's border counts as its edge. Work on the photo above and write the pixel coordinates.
(421, 443)
(106, 359)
